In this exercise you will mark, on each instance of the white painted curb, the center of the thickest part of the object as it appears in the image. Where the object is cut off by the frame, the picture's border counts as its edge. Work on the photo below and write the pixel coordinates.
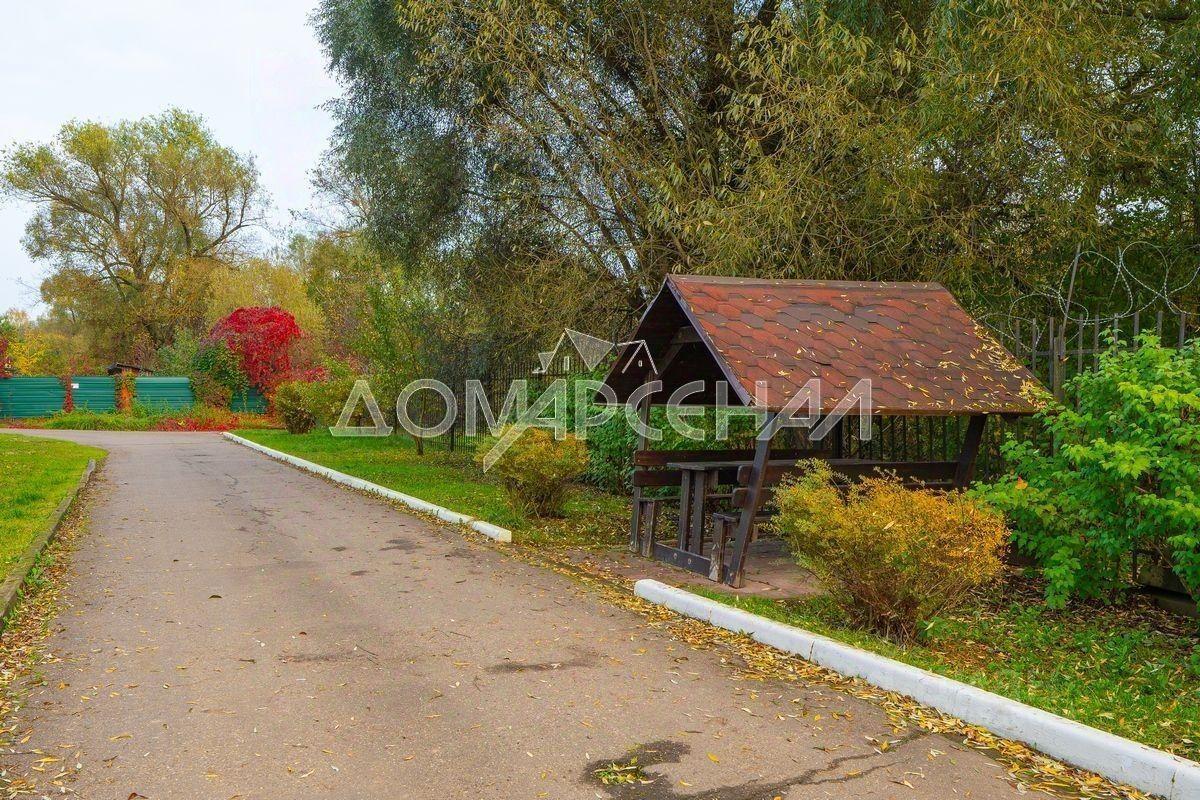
(486, 528)
(1114, 757)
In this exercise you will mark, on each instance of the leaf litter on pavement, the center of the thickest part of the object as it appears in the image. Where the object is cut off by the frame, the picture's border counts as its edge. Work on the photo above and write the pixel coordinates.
(21, 651)
(1028, 769)
(26, 771)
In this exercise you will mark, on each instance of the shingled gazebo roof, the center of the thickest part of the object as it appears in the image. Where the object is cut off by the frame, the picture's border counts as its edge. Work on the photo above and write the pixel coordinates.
(921, 351)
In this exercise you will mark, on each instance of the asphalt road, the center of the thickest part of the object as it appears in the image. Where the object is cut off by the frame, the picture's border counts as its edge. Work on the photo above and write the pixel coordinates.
(237, 628)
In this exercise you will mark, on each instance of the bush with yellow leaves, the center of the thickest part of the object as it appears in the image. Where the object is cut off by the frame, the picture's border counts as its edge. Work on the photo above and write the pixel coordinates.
(892, 557)
(537, 469)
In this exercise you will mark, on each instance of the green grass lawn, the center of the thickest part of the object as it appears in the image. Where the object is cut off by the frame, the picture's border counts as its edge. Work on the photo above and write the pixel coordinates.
(142, 418)
(452, 480)
(35, 475)
(1132, 670)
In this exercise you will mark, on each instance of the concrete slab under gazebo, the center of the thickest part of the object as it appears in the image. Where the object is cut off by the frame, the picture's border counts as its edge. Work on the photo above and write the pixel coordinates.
(759, 344)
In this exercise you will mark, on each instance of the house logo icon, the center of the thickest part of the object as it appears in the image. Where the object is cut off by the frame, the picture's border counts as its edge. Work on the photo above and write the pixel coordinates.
(591, 351)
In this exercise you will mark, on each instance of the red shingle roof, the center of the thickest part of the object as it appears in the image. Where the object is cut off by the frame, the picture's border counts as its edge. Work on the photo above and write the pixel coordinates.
(921, 351)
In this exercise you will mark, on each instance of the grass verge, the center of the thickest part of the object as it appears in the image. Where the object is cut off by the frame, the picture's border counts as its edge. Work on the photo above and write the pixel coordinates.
(141, 418)
(452, 480)
(1132, 669)
(35, 475)
(26, 771)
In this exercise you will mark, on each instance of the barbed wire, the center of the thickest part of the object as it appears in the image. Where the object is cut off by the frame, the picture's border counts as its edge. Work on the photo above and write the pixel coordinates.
(1136, 296)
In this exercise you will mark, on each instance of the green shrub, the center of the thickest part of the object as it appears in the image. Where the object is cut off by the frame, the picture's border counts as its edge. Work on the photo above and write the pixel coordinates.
(210, 391)
(305, 405)
(891, 557)
(292, 407)
(1124, 474)
(326, 398)
(179, 357)
(610, 450)
(611, 445)
(217, 375)
(537, 469)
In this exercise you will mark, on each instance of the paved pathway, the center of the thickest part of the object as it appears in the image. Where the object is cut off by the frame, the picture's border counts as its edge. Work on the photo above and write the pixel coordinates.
(238, 628)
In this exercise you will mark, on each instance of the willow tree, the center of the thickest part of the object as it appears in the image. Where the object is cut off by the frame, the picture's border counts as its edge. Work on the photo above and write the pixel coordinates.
(134, 216)
(526, 137)
(982, 144)
(977, 142)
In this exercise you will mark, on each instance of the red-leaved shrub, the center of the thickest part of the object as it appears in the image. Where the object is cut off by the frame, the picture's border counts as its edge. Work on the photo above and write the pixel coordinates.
(68, 394)
(6, 367)
(207, 418)
(262, 339)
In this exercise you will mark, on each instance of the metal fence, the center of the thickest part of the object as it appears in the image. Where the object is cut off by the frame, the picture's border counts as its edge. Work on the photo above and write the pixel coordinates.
(1057, 349)
(31, 396)
(428, 408)
(24, 397)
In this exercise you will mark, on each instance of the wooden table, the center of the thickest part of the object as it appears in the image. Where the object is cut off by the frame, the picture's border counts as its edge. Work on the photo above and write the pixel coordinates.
(698, 479)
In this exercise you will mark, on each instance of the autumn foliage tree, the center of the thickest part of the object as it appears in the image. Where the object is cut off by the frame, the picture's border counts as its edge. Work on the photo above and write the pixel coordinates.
(595, 146)
(262, 338)
(132, 219)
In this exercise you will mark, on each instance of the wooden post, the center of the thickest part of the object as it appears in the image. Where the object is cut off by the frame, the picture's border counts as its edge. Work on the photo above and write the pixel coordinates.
(836, 433)
(687, 486)
(758, 474)
(635, 525)
(1056, 365)
(965, 472)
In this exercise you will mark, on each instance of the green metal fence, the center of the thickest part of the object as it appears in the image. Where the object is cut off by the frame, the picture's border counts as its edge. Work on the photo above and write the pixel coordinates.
(24, 397)
(42, 396)
(164, 394)
(94, 392)
(249, 402)
(30, 397)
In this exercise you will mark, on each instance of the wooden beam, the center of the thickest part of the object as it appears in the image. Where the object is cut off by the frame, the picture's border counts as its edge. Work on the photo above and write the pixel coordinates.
(965, 472)
(758, 474)
(684, 336)
(636, 523)
(692, 562)
(861, 468)
(660, 458)
(837, 434)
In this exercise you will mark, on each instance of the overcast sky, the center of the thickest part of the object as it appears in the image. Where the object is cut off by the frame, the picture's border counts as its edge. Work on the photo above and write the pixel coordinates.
(251, 68)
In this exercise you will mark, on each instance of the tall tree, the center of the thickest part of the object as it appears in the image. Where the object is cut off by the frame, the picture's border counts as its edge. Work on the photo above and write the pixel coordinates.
(135, 216)
(977, 142)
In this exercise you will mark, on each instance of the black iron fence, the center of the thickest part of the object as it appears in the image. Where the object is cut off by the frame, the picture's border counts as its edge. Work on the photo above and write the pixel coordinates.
(496, 382)
(1055, 351)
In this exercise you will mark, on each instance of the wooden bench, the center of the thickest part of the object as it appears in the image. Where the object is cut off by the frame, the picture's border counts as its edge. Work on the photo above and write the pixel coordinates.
(650, 471)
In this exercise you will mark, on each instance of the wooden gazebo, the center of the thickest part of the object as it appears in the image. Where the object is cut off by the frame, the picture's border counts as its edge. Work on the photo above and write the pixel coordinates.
(765, 340)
